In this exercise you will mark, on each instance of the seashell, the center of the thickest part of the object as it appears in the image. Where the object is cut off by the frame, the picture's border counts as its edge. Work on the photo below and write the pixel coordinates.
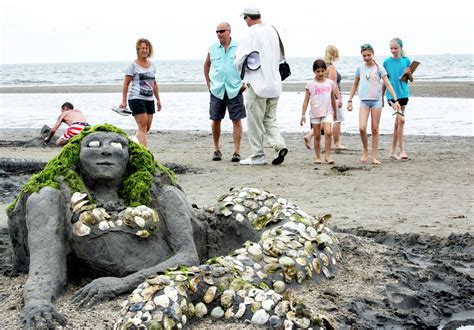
(239, 217)
(158, 315)
(111, 223)
(136, 307)
(210, 295)
(228, 203)
(328, 251)
(288, 325)
(261, 221)
(77, 197)
(146, 317)
(135, 298)
(248, 300)
(274, 322)
(136, 212)
(303, 323)
(143, 233)
(279, 286)
(162, 300)
(200, 310)
(87, 218)
(326, 272)
(227, 298)
(324, 259)
(168, 323)
(286, 261)
(316, 266)
(260, 317)
(171, 292)
(208, 279)
(324, 240)
(263, 210)
(251, 216)
(77, 206)
(262, 275)
(300, 277)
(225, 211)
(282, 308)
(241, 311)
(255, 306)
(149, 306)
(139, 221)
(239, 208)
(261, 296)
(301, 261)
(184, 320)
(268, 304)
(229, 313)
(217, 312)
(255, 251)
(80, 229)
(250, 204)
(103, 225)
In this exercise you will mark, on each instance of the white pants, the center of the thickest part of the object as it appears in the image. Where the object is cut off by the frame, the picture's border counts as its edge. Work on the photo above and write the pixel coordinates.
(261, 122)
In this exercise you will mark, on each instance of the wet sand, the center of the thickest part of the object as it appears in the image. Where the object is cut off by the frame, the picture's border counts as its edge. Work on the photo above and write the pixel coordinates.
(411, 220)
(418, 88)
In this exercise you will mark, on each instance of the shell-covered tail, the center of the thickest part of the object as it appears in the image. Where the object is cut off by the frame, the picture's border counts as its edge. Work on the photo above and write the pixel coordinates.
(254, 282)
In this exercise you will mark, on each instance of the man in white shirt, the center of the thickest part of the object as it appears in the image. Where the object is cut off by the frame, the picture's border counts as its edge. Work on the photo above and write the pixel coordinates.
(263, 87)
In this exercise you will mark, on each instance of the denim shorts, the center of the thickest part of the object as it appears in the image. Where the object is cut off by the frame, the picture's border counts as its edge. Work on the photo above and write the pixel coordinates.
(371, 104)
(235, 106)
(141, 106)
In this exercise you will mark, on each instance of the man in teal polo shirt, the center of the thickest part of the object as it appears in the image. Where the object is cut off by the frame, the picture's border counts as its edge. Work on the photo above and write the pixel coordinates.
(225, 87)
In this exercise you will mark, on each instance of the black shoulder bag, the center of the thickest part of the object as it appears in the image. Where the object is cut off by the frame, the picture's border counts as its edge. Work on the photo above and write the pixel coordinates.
(284, 67)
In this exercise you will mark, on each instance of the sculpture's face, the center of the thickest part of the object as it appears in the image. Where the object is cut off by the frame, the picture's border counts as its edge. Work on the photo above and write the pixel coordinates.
(103, 155)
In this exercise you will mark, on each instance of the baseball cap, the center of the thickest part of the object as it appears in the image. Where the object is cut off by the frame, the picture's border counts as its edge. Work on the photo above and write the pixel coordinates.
(250, 10)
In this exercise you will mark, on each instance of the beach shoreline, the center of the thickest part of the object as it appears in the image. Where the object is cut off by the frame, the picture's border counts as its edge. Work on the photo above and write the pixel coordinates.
(420, 88)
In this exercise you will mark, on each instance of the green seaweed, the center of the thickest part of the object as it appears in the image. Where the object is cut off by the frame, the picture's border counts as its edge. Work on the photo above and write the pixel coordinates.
(136, 185)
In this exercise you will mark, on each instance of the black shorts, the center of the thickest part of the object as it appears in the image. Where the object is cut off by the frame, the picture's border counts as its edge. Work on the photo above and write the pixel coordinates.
(235, 107)
(141, 106)
(402, 101)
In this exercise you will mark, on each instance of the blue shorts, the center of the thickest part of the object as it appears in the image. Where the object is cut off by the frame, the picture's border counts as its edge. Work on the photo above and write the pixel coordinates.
(235, 107)
(371, 104)
(141, 106)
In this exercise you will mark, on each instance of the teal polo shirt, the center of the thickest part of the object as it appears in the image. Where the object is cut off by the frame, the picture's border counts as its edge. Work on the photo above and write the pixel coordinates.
(223, 74)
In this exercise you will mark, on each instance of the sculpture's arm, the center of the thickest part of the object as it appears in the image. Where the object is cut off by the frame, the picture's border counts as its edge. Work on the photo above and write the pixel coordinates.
(177, 213)
(47, 269)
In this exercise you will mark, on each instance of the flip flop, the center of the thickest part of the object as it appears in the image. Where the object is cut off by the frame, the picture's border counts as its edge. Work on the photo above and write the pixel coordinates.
(317, 162)
(395, 157)
(330, 162)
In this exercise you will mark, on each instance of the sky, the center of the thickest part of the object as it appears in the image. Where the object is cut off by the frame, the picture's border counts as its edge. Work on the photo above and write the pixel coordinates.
(51, 31)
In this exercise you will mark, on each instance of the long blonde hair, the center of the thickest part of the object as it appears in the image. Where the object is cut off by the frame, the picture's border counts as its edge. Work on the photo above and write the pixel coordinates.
(331, 54)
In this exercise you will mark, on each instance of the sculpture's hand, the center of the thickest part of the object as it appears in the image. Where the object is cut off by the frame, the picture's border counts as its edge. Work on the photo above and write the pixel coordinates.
(41, 314)
(104, 288)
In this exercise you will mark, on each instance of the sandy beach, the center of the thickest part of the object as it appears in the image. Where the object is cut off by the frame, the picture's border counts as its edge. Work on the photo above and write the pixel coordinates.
(385, 215)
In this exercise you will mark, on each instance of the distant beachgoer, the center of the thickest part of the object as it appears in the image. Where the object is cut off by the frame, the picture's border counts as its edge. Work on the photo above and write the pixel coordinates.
(320, 94)
(332, 55)
(141, 73)
(396, 66)
(74, 118)
(263, 87)
(225, 87)
(370, 76)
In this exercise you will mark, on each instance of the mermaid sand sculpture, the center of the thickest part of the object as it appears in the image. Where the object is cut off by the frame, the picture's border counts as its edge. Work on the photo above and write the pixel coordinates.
(104, 208)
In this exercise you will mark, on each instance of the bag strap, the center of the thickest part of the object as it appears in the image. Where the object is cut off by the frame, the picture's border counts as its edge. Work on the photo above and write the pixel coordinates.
(282, 48)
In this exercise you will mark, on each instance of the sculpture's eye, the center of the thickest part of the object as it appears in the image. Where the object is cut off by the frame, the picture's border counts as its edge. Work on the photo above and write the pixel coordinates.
(94, 144)
(117, 145)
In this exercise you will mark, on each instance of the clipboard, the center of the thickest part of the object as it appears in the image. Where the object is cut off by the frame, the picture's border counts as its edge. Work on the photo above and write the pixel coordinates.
(412, 67)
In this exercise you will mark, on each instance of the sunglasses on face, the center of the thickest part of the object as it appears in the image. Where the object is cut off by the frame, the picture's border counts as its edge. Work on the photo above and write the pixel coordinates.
(245, 17)
(365, 47)
(220, 31)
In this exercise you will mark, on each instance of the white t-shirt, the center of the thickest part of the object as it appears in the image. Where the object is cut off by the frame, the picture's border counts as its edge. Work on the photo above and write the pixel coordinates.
(142, 83)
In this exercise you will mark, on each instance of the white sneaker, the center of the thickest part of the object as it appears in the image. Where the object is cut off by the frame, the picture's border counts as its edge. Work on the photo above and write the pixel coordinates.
(122, 111)
(254, 160)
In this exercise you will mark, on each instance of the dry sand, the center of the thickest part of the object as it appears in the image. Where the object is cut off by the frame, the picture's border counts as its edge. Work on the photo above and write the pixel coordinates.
(423, 205)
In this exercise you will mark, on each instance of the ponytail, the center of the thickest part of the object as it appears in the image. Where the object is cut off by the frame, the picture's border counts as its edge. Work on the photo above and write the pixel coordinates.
(399, 42)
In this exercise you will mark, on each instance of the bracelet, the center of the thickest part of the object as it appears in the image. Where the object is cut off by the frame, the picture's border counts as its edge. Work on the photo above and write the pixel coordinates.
(394, 101)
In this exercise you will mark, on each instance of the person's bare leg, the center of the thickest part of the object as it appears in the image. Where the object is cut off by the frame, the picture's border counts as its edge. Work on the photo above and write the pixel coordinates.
(375, 121)
(237, 134)
(327, 142)
(308, 138)
(317, 142)
(363, 118)
(401, 126)
(393, 147)
(336, 132)
(216, 134)
(142, 124)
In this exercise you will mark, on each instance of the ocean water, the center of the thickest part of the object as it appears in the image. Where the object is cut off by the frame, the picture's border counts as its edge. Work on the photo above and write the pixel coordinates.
(433, 67)
(189, 111)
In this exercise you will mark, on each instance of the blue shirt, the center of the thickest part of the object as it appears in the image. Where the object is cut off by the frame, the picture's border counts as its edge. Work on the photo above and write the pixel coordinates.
(395, 68)
(223, 74)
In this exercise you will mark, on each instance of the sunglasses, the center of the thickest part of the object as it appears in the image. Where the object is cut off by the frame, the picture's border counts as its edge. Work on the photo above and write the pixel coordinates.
(220, 31)
(245, 17)
(365, 47)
